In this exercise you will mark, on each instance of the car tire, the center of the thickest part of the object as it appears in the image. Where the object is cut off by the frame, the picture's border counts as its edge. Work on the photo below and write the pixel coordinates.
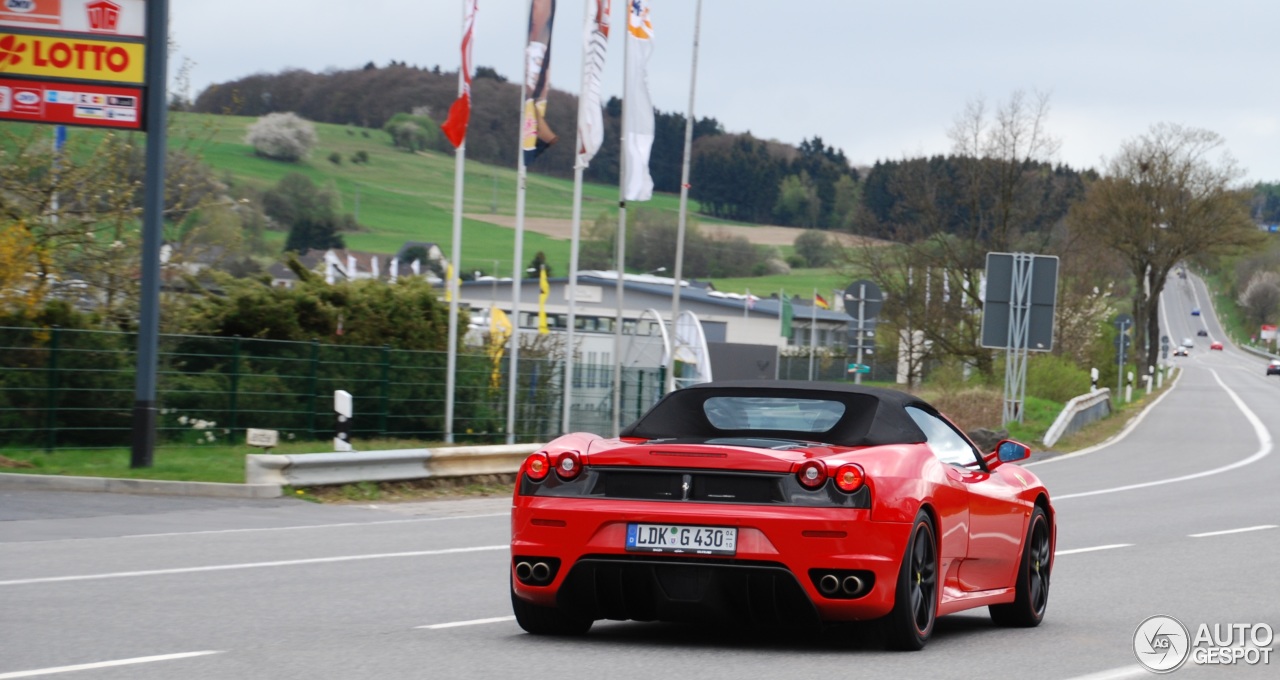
(1032, 586)
(915, 606)
(539, 620)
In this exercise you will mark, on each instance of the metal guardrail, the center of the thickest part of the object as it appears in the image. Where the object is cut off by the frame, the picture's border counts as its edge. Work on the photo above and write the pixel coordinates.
(1077, 413)
(315, 469)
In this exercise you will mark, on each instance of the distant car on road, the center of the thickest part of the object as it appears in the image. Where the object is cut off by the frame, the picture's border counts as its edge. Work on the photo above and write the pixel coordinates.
(1188, 343)
(1215, 345)
(1202, 333)
(1273, 368)
(1180, 351)
(1195, 311)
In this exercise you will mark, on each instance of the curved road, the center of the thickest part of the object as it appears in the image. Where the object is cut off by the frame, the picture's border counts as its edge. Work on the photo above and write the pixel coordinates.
(1178, 517)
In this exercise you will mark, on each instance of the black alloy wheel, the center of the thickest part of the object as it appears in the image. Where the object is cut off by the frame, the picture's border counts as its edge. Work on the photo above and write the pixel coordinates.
(915, 607)
(1032, 598)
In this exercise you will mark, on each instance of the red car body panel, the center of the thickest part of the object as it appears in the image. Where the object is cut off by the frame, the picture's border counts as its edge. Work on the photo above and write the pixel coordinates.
(981, 518)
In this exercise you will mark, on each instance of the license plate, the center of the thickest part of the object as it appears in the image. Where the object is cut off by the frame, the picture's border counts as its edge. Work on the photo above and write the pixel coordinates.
(679, 538)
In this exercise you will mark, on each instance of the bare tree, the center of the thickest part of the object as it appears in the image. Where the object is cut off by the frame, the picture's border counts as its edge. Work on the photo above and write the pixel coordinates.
(950, 212)
(1168, 195)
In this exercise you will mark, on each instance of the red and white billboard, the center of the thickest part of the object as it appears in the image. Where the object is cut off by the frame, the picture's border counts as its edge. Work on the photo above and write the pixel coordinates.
(36, 101)
(126, 18)
(1268, 332)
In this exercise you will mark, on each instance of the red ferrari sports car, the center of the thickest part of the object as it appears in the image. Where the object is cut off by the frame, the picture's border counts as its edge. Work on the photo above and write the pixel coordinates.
(780, 503)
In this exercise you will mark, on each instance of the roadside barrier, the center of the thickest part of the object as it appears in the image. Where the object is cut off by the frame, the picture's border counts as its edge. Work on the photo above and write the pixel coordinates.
(313, 469)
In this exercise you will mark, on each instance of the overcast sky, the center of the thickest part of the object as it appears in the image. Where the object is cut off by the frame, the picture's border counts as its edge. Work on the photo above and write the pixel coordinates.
(880, 80)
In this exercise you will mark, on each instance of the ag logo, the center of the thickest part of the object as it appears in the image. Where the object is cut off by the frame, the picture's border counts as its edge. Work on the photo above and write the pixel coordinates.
(1162, 644)
(11, 51)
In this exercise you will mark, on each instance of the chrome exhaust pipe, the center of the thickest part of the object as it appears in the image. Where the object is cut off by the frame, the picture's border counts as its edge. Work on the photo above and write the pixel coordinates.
(541, 572)
(829, 584)
(852, 585)
(523, 571)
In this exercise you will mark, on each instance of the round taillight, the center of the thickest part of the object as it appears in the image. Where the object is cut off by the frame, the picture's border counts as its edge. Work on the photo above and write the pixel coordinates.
(812, 474)
(568, 465)
(849, 477)
(537, 466)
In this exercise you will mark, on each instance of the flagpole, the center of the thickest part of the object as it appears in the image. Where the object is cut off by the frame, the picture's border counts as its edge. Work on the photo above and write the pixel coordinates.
(746, 304)
(578, 167)
(513, 375)
(455, 257)
(684, 199)
(620, 248)
(813, 331)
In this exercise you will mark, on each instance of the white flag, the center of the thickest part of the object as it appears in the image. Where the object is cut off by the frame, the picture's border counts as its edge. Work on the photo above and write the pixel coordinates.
(590, 113)
(638, 117)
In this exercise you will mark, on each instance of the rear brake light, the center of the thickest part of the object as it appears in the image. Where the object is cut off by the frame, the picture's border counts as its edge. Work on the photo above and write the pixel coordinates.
(568, 465)
(850, 478)
(812, 474)
(537, 466)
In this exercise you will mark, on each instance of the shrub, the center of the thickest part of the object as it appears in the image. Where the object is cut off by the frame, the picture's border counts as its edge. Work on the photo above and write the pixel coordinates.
(282, 136)
(335, 158)
(1057, 378)
(815, 248)
(410, 132)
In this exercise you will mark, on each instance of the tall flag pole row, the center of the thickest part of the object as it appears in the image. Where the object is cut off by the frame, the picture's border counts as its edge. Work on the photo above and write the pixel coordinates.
(634, 184)
(455, 128)
(535, 137)
(590, 138)
(684, 196)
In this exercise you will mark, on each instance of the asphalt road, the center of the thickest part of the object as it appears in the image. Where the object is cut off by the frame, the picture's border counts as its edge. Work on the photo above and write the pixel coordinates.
(1179, 518)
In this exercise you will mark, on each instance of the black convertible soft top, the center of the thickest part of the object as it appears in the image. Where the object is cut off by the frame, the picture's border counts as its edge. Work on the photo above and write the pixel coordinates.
(872, 416)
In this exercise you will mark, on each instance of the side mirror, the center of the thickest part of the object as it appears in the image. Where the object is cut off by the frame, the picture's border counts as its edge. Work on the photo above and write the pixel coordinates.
(1009, 451)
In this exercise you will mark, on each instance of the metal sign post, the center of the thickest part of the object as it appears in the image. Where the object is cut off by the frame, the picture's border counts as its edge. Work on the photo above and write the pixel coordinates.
(1018, 310)
(862, 301)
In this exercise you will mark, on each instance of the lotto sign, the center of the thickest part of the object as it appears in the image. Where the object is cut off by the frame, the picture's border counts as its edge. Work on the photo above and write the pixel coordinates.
(109, 17)
(70, 57)
(71, 104)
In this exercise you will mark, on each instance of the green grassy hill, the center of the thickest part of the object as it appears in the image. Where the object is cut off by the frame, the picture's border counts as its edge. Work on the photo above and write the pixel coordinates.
(400, 196)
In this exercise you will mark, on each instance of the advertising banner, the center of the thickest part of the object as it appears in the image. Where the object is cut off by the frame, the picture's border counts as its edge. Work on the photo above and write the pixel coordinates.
(71, 57)
(107, 17)
(35, 101)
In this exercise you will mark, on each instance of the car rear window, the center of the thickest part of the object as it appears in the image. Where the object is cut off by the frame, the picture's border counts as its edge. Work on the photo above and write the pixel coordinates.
(773, 413)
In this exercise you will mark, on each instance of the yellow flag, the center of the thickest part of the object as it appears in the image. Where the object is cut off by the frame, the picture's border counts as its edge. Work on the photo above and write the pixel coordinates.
(499, 330)
(544, 290)
(448, 282)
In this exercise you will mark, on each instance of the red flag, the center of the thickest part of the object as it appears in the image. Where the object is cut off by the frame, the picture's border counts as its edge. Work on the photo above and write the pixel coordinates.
(455, 126)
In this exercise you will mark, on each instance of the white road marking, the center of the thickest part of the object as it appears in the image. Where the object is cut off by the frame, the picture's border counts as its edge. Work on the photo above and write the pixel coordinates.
(474, 622)
(1093, 549)
(1116, 674)
(101, 664)
(1264, 449)
(251, 565)
(1232, 531)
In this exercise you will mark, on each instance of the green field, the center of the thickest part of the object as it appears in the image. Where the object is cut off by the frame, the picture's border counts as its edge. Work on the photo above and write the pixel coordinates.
(800, 282)
(399, 196)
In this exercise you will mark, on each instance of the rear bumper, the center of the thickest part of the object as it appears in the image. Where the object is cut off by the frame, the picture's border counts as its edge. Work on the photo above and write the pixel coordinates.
(782, 553)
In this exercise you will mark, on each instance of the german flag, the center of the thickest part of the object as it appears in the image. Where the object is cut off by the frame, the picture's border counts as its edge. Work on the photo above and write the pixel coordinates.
(820, 301)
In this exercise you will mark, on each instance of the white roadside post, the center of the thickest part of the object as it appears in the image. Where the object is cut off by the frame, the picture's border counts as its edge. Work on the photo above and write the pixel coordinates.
(1150, 378)
(1093, 380)
(342, 432)
(1160, 377)
(263, 439)
(1128, 389)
